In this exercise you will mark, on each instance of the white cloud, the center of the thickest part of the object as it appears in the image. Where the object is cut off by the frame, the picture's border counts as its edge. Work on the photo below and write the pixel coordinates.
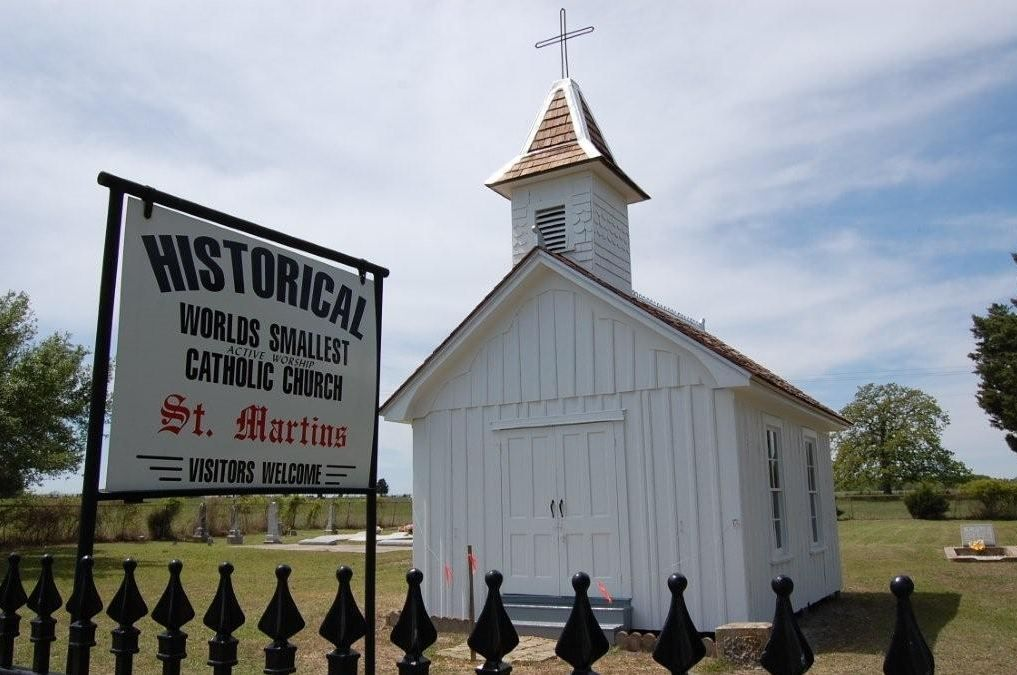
(372, 130)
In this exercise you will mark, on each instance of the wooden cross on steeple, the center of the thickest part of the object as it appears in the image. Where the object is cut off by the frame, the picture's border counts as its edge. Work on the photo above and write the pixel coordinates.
(561, 38)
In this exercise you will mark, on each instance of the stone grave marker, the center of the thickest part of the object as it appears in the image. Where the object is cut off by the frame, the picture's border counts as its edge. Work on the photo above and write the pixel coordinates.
(984, 531)
(272, 535)
(235, 536)
(330, 527)
(201, 531)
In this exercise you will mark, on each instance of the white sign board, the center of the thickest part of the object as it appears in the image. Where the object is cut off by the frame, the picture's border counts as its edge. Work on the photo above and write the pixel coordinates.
(240, 364)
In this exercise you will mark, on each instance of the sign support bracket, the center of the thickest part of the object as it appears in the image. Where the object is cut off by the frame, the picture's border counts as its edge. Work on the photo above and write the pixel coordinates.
(100, 373)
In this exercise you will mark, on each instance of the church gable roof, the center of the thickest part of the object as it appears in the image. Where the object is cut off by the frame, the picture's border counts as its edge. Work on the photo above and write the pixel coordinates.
(712, 343)
(564, 134)
(697, 335)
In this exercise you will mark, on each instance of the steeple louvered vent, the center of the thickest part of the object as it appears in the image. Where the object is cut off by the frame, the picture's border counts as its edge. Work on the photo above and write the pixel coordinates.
(550, 224)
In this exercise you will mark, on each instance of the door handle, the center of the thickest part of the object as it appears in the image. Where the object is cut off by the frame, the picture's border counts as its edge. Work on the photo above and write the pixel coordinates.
(561, 507)
(552, 508)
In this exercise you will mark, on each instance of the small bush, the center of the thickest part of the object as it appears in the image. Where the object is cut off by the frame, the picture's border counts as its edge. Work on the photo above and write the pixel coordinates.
(997, 498)
(293, 505)
(118, 522)
(160, 520)
(34, 521)
(312, 519)
(927, 503)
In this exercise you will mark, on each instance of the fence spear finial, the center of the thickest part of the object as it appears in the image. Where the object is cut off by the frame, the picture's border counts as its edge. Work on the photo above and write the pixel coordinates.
(343, 625)
(12, 598)
(414, 632)
(281, 621)
(172, 612)
(582, 641)
(126, 607)
(679, 646)
(83, 604)
(494, 636)
(224, 616)
(786, 652)
(44, 600)
(908, 653)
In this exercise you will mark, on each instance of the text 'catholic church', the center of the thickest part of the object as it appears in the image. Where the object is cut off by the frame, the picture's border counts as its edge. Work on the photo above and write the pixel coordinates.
(570, 424)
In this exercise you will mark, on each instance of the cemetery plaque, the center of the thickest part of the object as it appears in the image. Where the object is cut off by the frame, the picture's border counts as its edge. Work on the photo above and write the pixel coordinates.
(984, 531)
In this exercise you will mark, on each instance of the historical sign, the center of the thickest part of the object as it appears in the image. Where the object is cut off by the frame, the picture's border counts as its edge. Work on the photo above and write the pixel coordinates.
(240, 364)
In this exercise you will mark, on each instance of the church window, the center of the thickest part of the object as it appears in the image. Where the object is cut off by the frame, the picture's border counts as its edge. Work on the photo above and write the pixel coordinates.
(550, 226)
(773, 452)
(810, 467)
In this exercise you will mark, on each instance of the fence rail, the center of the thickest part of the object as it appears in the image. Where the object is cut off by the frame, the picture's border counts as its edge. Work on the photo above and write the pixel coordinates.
(581, 644)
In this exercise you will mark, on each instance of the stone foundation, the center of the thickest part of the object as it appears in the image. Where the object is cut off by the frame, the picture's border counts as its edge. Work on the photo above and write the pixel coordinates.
(742, 643)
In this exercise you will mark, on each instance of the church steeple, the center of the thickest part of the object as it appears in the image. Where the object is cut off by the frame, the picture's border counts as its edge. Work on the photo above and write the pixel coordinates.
(568, 193)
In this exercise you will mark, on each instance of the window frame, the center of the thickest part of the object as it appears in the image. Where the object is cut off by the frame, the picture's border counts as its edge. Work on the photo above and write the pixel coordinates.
(812, 488)
(779, 533)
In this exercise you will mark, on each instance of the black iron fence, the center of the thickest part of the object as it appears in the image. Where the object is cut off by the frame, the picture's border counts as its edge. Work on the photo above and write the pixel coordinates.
(581, 644)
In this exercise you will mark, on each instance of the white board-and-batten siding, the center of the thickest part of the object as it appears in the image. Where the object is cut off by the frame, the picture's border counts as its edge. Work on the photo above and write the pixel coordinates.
(552, 357)
(814, 567)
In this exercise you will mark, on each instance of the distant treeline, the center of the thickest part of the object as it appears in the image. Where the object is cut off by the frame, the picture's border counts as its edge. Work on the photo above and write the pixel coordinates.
(981, 498)
(37, 519)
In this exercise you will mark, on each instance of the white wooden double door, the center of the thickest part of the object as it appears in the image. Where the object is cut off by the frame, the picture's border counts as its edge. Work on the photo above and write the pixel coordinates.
(560, 501)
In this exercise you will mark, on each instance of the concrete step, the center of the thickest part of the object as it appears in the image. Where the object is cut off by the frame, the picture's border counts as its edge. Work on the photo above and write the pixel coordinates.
(545, 616)
(552, 629)
(560, 613)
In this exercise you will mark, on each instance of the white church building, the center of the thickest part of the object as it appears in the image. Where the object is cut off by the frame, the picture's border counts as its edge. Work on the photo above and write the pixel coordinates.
(571, 424)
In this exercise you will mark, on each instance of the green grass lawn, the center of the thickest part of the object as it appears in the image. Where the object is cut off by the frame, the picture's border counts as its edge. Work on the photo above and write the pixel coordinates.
(965, 610)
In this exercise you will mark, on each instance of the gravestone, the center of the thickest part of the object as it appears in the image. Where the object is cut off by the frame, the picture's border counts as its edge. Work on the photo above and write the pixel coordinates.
(984, 531)
(201, 531)
(272, 535)
(330, 527)
(235, 536)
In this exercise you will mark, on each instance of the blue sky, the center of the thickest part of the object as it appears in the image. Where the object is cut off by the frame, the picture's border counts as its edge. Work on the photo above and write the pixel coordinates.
(833, 185)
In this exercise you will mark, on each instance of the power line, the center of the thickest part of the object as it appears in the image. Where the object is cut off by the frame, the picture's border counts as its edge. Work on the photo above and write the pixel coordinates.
(901, 372)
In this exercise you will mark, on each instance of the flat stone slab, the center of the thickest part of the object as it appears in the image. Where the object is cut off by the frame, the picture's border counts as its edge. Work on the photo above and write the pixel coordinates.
(341, 547)
(992, 554)
(530, 650)
(323, 540)
(394, 539)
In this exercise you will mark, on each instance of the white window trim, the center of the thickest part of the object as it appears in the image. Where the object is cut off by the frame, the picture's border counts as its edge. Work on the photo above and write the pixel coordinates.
(783, 552)
(813, 493)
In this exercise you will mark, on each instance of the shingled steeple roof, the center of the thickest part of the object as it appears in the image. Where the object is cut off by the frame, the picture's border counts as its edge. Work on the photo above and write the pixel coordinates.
(564, 135)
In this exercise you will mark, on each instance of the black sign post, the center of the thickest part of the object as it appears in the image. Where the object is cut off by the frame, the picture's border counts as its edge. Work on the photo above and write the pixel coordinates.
(90, 493)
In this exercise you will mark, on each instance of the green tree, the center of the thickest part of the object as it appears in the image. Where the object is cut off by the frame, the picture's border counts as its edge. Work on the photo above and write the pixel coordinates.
(382, 486)
(895, 439)
(44, 398)
(995, 358)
